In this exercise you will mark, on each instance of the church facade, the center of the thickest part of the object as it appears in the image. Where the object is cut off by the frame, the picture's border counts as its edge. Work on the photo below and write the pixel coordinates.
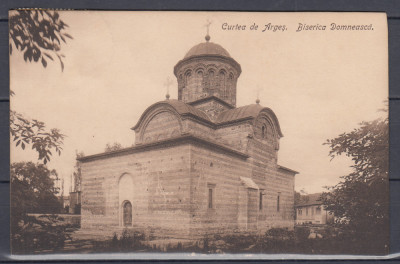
(199, 165)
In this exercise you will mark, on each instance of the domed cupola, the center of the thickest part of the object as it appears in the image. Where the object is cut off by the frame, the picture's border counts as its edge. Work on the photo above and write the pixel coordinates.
(207, 70)
(207, 48)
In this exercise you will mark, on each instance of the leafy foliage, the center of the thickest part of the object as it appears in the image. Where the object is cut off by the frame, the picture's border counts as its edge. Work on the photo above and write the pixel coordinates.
(33, 190)
(36, 33)
(276, 241)
(368, 146)
(128, 241)
(360, 202)
(25, 131)
(39, 34)
(38, 234)
(115, 146)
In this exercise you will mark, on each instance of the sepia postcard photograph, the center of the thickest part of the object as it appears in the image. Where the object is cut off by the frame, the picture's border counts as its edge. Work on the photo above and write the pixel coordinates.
(147, 134)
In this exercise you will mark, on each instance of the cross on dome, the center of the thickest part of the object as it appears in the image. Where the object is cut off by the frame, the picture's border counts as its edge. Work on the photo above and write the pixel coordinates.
(258, 96)
(167, 83)
(208, 30)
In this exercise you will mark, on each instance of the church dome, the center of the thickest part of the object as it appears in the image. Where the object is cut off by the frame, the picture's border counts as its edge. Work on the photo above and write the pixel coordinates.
(207, 48)
(207, 70)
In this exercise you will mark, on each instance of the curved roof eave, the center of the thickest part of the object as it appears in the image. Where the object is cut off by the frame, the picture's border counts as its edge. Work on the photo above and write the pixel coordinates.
(207, 48)
(247, 112)
(272, 114)
(180, 107)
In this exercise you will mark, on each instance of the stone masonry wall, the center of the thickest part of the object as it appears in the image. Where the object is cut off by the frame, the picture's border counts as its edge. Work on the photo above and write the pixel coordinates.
(160, 195)
(220, 172)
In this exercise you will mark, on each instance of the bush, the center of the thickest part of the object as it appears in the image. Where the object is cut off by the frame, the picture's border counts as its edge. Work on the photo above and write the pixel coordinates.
(236, 243)
(279, 234)
(38, 234)
(128, 241)
(301, 233)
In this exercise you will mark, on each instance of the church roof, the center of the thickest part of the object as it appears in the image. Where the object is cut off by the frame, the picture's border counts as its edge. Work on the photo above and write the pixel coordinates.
(180, 107)
(239, 113)
(183, 108)
(244, 112)
(228, 116)
(207, 48)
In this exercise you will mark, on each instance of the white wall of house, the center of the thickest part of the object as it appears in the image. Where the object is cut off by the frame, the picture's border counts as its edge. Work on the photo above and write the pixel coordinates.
(314, 214)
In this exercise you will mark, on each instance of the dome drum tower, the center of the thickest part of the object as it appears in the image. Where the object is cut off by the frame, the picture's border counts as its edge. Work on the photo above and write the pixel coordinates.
(208, 71)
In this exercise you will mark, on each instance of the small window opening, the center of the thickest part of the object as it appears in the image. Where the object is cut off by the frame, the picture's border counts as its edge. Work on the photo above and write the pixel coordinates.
(278, 198)
(210, 198)
(263, 132)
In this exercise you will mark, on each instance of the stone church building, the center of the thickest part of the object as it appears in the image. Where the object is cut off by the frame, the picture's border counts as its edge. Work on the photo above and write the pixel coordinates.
(199, 165)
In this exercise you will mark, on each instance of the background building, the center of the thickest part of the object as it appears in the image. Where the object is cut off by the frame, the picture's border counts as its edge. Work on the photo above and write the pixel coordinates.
(311, 211)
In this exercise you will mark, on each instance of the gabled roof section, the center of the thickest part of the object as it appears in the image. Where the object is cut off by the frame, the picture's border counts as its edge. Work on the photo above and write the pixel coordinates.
(179, 106)
(226, 117)
(243, 112)
(287, 169)
(210, 98)
(247, 112)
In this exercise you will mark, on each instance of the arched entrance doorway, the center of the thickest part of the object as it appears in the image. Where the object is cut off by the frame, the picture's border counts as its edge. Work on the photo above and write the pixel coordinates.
(127, 213)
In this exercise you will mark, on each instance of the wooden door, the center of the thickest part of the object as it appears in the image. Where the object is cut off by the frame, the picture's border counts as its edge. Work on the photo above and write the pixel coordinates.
(127, 214)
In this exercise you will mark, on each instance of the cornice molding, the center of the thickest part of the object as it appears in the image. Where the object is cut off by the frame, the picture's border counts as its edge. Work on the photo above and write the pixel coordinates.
(181, 140)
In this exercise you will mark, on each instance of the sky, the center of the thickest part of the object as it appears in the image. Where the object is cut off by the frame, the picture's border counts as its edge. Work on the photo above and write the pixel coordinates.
(319, 83)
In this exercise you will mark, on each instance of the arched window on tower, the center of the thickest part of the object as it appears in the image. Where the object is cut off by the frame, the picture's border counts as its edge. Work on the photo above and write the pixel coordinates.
(230, 78)
(230, 88)
(188, 85)
(188, 76)
(263, 132)
(222, 86)
(211, 79)
(198, 82)
(181, 85)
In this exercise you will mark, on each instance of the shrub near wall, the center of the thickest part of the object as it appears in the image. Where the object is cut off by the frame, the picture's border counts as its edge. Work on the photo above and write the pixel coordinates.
(39, 234)
(278, 240)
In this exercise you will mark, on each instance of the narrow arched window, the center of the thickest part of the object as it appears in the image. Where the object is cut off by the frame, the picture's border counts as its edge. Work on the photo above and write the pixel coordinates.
(211, 79)
(199, 81)
(181, 81)
(263, 132)
(188, 77)
(222, 84)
